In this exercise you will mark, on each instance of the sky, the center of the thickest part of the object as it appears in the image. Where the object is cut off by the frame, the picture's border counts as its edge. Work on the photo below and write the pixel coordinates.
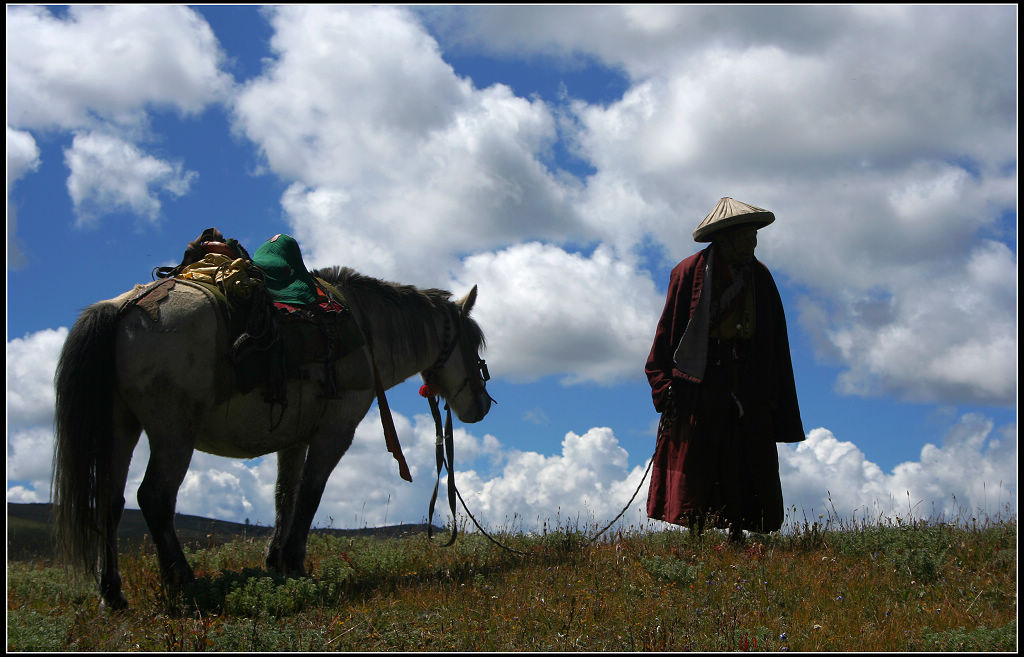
(559, 158)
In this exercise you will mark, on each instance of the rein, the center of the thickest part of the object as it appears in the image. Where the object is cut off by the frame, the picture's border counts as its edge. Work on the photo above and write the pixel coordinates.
(444, 451)
(445, 441)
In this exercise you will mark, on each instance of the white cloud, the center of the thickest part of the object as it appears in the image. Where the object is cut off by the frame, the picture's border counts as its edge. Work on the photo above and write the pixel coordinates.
(400, 158)
(31, 363)
(922, 337)
(232, 489)
(29, 459)
(108, 65)
(22, 158)
(99, 71)
(589, 482)
(109, 174)
(973, 474)
(22, 155)
(549, 312)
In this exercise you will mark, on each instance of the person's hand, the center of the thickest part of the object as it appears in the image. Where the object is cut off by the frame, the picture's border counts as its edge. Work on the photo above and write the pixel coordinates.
(671, 408)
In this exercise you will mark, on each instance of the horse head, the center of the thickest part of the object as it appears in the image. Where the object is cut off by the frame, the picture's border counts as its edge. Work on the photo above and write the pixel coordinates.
(460, 374)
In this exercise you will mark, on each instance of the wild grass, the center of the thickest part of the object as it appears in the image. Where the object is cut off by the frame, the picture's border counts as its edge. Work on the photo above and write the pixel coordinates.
(828, 585)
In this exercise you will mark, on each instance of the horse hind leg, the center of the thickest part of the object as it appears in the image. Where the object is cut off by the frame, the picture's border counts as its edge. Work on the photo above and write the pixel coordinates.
(126, 436)
(168, 464)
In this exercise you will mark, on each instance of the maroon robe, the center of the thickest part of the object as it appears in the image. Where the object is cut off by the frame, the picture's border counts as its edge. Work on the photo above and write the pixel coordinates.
(711, 463)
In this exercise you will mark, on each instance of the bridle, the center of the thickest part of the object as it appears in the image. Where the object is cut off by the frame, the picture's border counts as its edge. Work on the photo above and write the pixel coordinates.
(445, 443)
(476, 385)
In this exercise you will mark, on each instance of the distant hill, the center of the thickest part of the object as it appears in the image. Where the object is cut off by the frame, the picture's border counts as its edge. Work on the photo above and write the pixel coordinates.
(30, 533)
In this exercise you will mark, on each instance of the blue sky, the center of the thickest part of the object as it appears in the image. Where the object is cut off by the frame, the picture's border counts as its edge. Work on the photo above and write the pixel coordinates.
(560, 158)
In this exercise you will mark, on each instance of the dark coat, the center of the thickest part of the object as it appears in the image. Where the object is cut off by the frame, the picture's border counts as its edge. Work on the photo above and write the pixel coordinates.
(710, 459)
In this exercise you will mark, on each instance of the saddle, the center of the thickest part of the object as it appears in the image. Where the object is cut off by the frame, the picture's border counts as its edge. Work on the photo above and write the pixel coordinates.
(282, 320)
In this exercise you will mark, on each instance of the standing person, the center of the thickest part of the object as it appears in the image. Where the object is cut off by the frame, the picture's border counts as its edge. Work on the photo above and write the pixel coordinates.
(722, 378)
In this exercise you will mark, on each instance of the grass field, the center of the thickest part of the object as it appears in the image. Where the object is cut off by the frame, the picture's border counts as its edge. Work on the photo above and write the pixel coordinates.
(836, 586)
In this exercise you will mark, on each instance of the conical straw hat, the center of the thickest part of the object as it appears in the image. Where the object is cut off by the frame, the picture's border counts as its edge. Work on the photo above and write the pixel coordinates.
(728, 213)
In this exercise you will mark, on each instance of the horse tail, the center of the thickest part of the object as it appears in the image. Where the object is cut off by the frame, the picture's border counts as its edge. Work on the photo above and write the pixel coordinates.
(83, 449)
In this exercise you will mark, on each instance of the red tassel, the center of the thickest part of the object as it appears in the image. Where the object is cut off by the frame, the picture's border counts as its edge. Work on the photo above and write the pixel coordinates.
(427, 391)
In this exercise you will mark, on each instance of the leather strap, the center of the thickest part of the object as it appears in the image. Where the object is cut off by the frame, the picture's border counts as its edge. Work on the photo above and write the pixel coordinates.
(445, 443)
(390, 434)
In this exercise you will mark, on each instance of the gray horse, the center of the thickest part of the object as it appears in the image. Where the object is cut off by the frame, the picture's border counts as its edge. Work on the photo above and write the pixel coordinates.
(124, 370)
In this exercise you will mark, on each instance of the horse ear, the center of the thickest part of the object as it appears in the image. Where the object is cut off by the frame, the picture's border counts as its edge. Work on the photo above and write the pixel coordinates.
(467, 302)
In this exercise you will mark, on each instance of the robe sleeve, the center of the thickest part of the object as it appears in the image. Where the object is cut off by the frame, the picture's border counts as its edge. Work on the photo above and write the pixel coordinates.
(660, 365)
(786, 415)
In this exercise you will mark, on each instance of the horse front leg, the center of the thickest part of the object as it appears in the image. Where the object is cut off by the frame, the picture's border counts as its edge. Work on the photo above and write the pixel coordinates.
(289, 474)
(168, 464)
(321, 460)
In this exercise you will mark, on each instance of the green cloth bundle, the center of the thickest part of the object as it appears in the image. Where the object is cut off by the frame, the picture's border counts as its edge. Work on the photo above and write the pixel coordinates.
(287, 279)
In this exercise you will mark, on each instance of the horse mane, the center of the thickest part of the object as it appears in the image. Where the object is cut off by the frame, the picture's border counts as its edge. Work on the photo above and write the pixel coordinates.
(397, 311)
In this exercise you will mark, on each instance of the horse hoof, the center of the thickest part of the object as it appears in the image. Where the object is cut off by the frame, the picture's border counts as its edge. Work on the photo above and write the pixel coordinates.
(116, 604)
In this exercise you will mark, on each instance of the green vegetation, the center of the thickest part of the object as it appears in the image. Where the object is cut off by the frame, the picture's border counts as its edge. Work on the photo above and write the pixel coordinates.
(893, 586)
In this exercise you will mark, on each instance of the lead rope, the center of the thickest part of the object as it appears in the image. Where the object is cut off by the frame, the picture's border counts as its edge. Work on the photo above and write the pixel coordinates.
(446, 442)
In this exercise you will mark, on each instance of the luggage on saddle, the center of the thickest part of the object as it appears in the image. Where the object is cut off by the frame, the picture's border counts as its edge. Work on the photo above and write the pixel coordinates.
(283, 320)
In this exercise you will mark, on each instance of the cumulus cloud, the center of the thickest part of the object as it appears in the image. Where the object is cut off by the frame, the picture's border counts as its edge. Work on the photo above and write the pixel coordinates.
(31, 363)
(400, 158)
(108, 65)
(22, 155)
(29, 454)
(99, 72)
(109, 174)
(22, 158)
(972, 474)
(590, 481)
(922, 336)
(550, 312)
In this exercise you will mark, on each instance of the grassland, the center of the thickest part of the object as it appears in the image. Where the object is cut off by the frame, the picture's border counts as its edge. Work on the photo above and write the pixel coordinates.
(893, 586)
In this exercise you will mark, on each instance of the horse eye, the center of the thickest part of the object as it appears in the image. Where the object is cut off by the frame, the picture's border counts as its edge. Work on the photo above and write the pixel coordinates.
(483, 371)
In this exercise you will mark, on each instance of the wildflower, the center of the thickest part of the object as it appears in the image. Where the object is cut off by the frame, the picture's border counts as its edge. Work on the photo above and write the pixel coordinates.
(783, 636)
(839, 598)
